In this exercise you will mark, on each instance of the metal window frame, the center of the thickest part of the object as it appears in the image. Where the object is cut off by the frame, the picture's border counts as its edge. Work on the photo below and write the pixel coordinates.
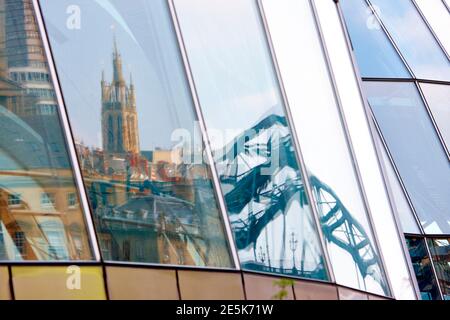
(382, 168)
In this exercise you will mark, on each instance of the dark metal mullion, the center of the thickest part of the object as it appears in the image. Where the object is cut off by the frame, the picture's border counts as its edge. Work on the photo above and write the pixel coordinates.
(406, 80)
(391, 39)
(446, 5)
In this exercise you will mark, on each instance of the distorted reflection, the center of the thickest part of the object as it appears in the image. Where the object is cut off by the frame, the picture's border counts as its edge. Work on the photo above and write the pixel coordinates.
(440, 253)
(40, 215)
(423, 269)
(324, 146)
(152, 203)
(259, 173)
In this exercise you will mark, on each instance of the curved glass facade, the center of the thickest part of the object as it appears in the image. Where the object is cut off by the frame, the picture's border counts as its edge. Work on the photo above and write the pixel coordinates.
(142, 142)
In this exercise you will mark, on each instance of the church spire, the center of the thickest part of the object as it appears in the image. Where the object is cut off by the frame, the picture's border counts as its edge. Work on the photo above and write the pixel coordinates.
(117, 64)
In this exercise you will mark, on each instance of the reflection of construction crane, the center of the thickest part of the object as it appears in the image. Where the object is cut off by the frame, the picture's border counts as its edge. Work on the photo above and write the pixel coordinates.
(252, 189)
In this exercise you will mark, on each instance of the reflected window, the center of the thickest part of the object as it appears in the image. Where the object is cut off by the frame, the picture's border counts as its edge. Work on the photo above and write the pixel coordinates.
(254, 153)
(440, 253)
(423, 269)
(416, 150)
(138, 144)
(374, 51)
(35, 170)
(324, 146)
(413, 38)
(438, 99)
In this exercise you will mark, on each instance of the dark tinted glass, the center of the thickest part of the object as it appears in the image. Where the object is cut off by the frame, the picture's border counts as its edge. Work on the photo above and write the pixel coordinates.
(440, 253)
(423, 269)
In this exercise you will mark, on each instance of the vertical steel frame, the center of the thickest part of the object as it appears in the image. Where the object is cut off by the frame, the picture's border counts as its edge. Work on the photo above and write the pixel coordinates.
(297, 147)
(198, 111)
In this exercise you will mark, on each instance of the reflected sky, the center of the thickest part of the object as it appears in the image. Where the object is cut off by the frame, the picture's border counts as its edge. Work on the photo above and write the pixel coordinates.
(416, 150)
(375, 53)
(438, 99)
(141, 35)
(414, 39)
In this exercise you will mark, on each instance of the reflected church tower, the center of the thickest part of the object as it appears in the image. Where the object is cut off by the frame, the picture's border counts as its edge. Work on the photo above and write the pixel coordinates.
(119, 117)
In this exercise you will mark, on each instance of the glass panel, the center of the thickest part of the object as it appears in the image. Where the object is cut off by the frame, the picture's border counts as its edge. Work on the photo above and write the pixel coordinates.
(36, 222)
(438, 17)
(423, 269)
(244, 112)
(440, 252)
(374, 51)
(363, 145)
(414, 39)
(416, 150)
(406, 215)
(438, 99)
(354, 257)
(137, 139)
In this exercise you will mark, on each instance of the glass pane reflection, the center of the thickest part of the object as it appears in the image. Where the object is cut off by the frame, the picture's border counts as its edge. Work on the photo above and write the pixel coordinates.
(414, 39)
(440, 252)
(137, 141)
(423, 269)
(36, 220)
(375, 53)
(354, 257)
(417, 152)
(438, 99)
(254, 153)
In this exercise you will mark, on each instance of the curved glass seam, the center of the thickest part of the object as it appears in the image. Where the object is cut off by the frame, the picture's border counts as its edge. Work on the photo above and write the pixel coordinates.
(260, 177)
(141, 148)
